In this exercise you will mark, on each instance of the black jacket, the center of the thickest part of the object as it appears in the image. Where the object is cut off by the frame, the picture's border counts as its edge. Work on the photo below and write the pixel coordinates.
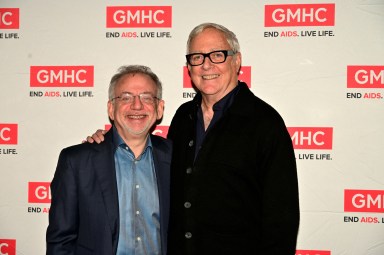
(240, 196)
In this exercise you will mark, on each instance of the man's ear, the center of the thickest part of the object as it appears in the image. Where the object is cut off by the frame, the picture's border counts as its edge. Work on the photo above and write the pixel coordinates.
(160, 109)
(111, 109)
(238, 61)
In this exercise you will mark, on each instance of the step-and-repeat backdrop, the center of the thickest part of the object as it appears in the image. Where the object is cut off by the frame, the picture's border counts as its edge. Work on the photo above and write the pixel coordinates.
(319, 63)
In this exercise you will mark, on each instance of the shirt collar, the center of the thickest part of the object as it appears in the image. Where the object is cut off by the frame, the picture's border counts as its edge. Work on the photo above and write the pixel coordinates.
(118, 141)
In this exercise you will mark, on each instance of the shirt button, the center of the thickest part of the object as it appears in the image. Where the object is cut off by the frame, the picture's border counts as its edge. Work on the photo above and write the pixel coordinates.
(137, 212)
(138, 238)
(188, 235)
(189, 170)
(187, 204)
(190, 143)
(137, 186)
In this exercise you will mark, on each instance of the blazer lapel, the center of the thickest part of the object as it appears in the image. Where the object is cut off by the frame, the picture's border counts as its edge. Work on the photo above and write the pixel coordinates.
(104, 165)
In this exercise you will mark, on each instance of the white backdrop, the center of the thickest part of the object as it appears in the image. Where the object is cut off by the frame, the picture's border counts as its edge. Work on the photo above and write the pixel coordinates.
(323, 70)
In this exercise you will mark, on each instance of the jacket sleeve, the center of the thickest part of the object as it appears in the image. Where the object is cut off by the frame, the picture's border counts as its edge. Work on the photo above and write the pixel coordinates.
(62, 230)
(280, 194)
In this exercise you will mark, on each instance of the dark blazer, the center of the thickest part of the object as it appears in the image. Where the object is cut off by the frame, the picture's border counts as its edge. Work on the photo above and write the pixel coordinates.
(240, 194)
(84, 214)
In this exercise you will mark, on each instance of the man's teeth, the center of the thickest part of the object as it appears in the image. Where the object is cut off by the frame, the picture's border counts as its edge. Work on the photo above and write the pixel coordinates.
(136, 116)
(209, 77)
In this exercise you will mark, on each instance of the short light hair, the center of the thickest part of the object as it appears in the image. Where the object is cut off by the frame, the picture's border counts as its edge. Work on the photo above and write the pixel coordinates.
(134, 69)
(229, 35)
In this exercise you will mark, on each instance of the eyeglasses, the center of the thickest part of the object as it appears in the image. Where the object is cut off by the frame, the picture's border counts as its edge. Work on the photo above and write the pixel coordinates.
(216, 57)
(127, 98)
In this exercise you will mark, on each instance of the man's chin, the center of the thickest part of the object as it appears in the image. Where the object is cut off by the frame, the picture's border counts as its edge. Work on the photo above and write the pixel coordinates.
(138, 131)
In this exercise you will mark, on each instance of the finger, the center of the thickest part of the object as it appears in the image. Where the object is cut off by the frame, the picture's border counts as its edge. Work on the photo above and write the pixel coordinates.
(97, 138)
(90, 139)
(99, 135)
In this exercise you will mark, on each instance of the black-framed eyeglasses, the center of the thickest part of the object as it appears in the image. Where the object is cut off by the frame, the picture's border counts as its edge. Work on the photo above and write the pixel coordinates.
(216, 57)
(128, 98)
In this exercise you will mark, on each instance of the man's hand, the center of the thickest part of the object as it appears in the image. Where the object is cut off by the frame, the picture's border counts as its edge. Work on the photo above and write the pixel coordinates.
(97, 137)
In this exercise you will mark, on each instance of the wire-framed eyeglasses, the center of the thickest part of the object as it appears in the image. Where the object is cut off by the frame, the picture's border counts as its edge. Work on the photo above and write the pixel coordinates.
(128, 98)
(216, 57)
